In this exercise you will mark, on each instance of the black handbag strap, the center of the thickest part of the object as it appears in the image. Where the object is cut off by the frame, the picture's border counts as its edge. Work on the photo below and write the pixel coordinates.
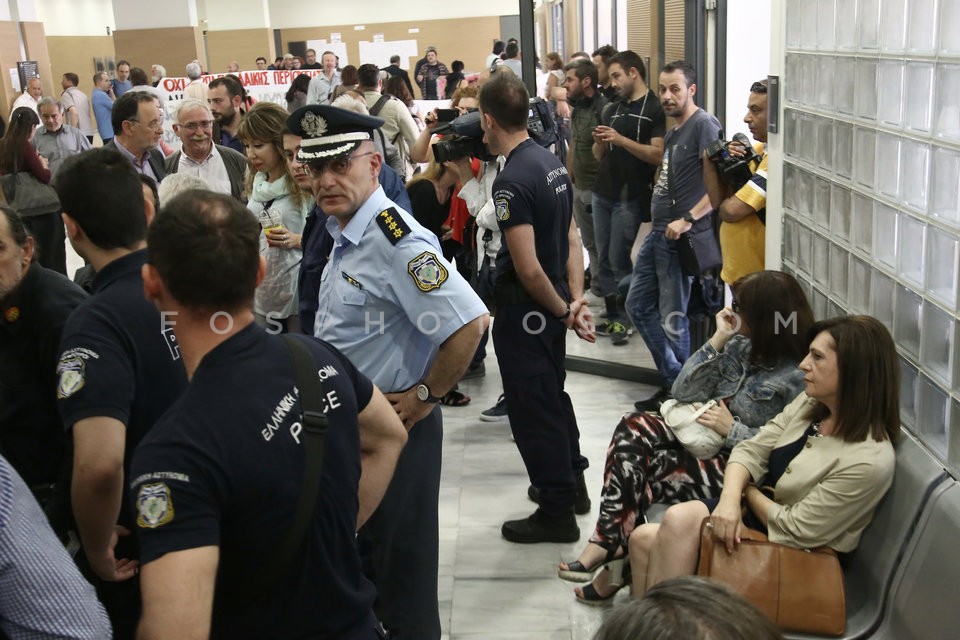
(256, 582)
(315, 433)
(384, 99)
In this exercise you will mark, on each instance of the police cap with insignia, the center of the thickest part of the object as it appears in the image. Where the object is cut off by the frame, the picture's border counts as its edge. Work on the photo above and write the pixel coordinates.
(328, 132)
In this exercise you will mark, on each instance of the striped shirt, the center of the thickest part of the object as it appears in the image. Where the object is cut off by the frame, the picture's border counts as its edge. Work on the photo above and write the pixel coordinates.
(42, 594)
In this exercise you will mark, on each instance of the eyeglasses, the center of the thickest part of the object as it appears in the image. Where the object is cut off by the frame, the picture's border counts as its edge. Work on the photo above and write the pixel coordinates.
(156, 125)
(193, 126)
(339, 166)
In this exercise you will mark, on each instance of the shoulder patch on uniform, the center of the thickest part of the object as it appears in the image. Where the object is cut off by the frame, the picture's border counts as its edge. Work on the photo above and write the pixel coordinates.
(154, 505)
(503, 209)
(427, 271)
(392, 225)
(72, 371)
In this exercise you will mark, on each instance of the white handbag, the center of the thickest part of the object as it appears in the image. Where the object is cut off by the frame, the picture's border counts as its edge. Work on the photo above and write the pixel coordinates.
(681, 417)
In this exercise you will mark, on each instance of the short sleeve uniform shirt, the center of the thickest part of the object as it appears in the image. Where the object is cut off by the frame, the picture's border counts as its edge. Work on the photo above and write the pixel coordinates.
(118, 359)
(224, 467)
(534, 188)
(388, 298)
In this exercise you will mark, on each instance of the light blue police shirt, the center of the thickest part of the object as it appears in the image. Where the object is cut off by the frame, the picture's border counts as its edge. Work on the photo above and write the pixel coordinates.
(388, 298)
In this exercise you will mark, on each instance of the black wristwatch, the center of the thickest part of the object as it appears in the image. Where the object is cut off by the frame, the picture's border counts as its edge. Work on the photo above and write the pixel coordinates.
(566, 314)
(689, 218)
(424, 395)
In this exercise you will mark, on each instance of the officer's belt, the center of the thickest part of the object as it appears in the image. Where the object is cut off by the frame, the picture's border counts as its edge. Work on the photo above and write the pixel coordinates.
(508, 289)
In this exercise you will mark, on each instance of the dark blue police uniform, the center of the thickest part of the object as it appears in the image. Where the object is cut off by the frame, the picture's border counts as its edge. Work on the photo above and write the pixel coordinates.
(117, 360)
(32, 318)
(224, 467)
(534, 188)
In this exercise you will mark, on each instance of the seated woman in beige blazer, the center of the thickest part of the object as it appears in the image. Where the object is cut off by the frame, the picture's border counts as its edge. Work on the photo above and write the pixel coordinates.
(828, 457)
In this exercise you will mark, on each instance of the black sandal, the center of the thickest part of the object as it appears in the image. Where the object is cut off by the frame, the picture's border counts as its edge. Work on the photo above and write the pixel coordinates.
(577, 572)
(454, 398)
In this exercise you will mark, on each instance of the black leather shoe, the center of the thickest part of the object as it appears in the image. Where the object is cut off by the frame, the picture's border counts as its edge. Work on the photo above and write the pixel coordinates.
(538, 527)
(581, 504)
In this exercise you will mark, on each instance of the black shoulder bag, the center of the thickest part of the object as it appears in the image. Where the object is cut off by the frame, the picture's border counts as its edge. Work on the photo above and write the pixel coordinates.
(257, 581)
(698, 248)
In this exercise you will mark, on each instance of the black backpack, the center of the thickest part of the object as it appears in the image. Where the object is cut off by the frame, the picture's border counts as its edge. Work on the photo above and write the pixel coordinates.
(542, 124)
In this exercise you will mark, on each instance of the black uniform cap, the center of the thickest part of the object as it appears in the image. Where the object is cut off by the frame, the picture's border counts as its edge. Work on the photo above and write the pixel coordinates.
(328, 132)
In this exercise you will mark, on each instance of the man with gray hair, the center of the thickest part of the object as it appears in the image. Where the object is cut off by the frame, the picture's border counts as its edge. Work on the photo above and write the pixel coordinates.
(196, 88)
(157, 73)
(175, 184)
(57, 141)
(222, 168)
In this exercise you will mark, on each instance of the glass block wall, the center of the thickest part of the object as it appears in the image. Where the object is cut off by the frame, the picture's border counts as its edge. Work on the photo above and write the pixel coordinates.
(871, 181)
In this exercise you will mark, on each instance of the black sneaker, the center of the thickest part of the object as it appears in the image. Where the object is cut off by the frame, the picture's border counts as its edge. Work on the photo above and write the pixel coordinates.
(539, 527)
(496, 413)
(618, 333)
(652, 404)
(581, 504)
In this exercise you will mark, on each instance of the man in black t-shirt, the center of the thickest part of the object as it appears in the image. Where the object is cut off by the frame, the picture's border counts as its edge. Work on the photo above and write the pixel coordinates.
(118, 370)
(629, 145)
(215, 485)
(539, 295)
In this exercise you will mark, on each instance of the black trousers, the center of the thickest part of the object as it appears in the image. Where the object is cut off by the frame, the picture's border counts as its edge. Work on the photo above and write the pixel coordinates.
(531, 347)
(401, 539)
(47, 231)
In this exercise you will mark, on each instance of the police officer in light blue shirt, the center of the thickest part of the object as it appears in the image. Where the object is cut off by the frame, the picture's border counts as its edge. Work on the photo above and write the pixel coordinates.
(392, 304)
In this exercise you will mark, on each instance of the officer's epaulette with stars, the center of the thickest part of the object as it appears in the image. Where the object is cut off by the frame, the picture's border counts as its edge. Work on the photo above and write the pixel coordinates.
(392, 225)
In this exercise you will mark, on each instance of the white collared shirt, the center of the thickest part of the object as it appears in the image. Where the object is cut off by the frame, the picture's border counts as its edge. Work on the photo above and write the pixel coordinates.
(212, 170)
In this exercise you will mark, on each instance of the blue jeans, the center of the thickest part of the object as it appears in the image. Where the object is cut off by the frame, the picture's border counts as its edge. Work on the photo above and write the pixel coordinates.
(657, 304)
(615, 225)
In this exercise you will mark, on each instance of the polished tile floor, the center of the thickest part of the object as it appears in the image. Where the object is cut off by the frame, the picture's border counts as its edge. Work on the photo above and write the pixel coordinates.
(490, 588)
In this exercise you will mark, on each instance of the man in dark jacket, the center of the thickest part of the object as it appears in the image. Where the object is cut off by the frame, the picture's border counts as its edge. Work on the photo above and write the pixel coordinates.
(137, 126)
(220, 167)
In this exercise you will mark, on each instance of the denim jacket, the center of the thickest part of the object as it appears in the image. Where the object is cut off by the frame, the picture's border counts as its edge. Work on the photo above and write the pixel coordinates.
(754, 394)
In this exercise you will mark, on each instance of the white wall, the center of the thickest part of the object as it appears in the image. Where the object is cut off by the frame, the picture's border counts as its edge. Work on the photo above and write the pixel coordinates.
(28, 10)
(4, 12)
(227, 15)
(748, 57)
(151, 14)
(75, 17)
(286, 14)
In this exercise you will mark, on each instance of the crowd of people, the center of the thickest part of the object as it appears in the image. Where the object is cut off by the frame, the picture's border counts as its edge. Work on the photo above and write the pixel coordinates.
(200, 459)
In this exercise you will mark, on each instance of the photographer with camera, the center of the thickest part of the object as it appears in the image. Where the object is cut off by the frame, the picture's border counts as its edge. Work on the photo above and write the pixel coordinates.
(736, 178)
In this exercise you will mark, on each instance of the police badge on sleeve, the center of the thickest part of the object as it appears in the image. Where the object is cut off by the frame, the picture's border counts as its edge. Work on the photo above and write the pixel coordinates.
(71, 371)
(427, 271)
(503, 209)
(154, 505)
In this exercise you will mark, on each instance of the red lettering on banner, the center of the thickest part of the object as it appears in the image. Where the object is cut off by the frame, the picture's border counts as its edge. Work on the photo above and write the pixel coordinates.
(174, 84)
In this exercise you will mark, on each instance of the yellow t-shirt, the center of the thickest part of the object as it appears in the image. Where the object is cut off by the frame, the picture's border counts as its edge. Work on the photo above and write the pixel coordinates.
(743, 242)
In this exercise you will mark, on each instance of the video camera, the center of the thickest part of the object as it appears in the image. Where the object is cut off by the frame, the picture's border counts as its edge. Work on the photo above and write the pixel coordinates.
(463, 137)
(735, 170)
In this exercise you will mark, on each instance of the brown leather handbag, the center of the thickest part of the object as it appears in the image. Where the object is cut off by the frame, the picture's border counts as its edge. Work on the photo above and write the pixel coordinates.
(801, 590)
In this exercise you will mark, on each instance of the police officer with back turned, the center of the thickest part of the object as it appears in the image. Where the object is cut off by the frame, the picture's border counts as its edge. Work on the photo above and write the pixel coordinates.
(539, 294)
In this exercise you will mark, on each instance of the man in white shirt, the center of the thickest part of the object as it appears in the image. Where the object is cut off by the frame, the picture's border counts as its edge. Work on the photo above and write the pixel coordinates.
(76, 105)
(220, 167)
(30, 96)
(323, 85)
